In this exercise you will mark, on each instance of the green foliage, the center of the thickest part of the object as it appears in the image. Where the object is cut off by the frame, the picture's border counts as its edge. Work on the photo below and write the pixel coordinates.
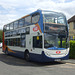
(72, 49)
(1, 32)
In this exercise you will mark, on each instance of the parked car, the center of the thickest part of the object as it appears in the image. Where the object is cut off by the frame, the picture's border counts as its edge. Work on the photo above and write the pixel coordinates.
(0, 44)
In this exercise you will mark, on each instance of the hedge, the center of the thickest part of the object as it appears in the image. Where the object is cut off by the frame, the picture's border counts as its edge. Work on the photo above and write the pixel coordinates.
(72, 49)
(1, 35)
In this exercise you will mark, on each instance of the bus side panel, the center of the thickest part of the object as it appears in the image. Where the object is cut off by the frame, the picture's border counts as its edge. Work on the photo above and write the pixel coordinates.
(16, 51)
(36, 57)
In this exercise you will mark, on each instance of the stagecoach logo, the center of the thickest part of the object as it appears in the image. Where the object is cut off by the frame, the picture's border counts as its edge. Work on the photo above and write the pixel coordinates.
(58, 52)
(35, 29)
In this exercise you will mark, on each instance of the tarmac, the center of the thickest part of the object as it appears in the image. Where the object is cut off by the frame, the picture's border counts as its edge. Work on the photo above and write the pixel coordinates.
(72, 61)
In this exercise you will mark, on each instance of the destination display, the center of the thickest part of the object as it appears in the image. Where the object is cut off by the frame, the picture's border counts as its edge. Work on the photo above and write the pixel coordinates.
(54, 28)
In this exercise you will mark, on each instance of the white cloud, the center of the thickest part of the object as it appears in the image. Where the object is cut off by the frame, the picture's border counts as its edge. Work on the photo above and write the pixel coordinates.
(13, 9)
(4, 19)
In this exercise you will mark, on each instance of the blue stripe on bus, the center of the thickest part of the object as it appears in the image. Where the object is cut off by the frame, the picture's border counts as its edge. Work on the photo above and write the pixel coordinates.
(55, 48)
(41, 22)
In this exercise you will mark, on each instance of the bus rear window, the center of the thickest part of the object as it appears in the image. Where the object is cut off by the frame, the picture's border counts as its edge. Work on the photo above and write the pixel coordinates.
(4, 28)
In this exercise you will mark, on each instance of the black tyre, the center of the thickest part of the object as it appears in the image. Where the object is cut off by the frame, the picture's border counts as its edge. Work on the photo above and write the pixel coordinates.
(27, 56)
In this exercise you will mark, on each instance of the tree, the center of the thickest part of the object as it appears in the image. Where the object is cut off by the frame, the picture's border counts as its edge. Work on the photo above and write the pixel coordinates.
(1, 32)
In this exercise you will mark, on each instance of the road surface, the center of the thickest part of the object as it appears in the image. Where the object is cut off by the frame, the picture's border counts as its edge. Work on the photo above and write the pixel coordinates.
(10, 65)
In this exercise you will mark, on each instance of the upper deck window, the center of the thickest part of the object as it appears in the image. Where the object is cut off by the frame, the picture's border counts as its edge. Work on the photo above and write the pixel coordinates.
(11, 26)
(21, 22)
(7, 28)
(15, 24)
(27, 20)
(35, 18)
(53, 17)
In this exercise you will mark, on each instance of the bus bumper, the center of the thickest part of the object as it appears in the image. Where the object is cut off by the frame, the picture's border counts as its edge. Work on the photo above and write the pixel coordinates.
(48, 59)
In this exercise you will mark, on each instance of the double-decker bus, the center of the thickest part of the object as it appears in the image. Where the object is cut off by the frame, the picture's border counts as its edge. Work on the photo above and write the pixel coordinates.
(40, 36)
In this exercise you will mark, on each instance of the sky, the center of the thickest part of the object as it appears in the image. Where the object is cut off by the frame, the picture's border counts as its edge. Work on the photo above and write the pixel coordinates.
(11, 10)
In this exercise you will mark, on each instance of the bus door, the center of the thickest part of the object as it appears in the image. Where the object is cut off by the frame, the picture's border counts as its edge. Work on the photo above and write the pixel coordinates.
(29, 42)
(37, 44)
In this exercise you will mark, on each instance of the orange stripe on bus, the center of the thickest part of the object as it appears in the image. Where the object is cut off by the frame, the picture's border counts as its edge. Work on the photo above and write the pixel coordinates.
(38, 27)
(8, 49)
(25, 16)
